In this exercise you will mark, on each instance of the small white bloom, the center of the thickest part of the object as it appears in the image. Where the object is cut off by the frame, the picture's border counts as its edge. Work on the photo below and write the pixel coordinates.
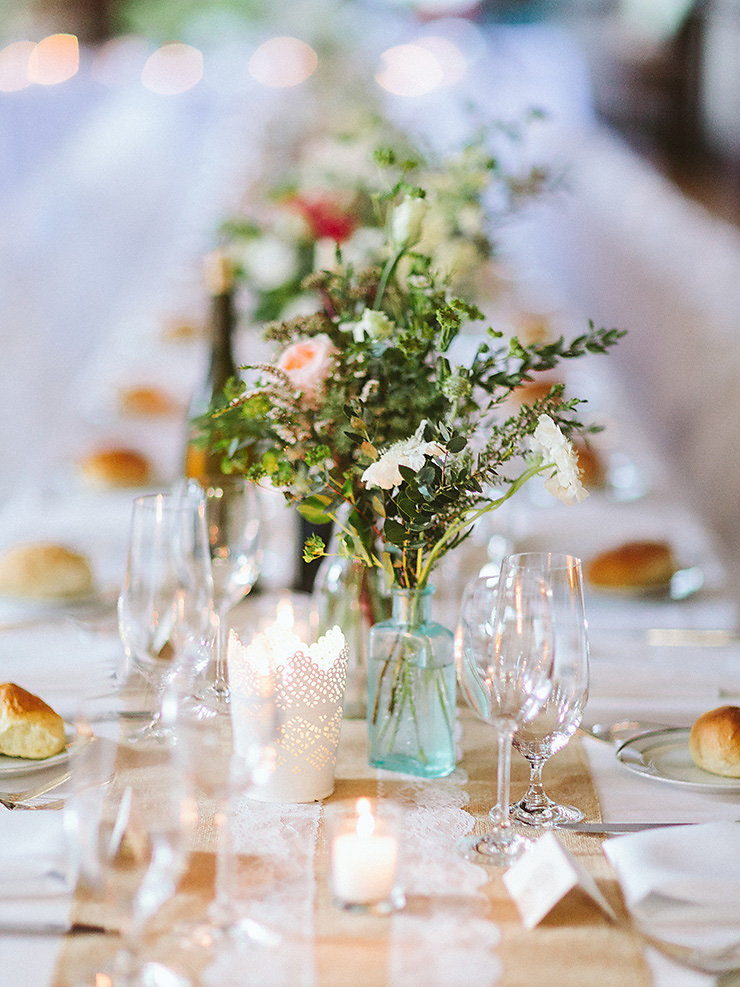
(549, 442)
(269, 262)
(407, 221)
(411, 452)
(372, 325)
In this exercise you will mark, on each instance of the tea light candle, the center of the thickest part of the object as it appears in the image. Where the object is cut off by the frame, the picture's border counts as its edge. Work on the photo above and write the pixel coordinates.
(363, 860)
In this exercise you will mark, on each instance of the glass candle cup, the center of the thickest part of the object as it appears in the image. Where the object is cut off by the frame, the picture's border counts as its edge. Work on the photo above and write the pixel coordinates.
(364, 851)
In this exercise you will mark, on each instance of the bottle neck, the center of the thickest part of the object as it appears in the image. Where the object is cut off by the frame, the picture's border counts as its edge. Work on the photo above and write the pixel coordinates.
(222, 328)
(412, 606)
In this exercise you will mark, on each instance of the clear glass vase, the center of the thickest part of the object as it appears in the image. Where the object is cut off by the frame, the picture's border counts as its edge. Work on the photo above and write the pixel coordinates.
(411, 690)
(350, 594)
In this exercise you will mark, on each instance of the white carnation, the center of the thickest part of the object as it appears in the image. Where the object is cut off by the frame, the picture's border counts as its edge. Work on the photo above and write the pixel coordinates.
(549, 442)
(411, 452)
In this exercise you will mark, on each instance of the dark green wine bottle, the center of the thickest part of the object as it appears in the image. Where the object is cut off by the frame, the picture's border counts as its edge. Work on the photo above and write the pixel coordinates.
(201, 462)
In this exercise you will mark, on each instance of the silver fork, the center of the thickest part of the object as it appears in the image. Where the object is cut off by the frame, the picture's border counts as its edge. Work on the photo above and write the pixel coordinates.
(11, 800)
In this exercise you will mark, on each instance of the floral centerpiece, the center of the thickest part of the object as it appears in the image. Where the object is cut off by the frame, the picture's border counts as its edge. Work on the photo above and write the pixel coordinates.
(368, 418)
(336, 194)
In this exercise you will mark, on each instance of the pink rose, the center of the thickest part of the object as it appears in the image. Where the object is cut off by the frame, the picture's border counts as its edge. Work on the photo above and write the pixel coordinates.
(308, 364)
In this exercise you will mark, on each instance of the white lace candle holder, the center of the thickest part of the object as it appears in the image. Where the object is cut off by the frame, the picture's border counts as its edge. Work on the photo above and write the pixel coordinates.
(307, 681)
(364, 850)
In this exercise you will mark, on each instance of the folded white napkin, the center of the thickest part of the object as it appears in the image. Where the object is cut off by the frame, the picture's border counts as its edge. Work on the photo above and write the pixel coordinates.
(35, 882)
(682, 882)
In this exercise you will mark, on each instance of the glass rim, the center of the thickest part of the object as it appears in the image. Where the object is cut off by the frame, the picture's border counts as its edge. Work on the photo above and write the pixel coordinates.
(559, 560)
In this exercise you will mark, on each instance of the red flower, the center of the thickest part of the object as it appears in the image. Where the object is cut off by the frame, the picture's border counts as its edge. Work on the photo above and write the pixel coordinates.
(326, 217)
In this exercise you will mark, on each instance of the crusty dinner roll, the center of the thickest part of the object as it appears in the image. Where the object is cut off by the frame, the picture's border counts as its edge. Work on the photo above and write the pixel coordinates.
(530, 391)
(28, 727)
(591, 465)
(116, 466)
(714, 741)
(44, 570)
(633, 564)
(146, 402)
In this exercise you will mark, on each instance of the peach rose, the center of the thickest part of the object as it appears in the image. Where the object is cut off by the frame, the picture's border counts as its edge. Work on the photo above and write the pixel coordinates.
(308, 364)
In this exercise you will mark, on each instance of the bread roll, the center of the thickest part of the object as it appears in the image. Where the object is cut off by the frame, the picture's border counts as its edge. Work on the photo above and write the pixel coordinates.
(714, 741)
(116, 466)
(593, 474)
(45, 570)
(28, 727)
(530, 391)
(146, 402)
(640, 564)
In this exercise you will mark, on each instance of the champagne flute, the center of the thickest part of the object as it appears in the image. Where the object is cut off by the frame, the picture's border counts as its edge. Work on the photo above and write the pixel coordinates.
(165, 608)
(560, 716)
(233, 526)
(503, 651)
(129, 838)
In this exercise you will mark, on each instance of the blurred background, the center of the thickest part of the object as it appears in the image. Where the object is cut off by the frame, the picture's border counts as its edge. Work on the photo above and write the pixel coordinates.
(130, 129)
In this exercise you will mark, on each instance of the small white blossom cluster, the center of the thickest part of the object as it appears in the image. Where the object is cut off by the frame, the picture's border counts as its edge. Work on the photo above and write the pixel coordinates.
(372, 325)
(549, 442)
(411, 452)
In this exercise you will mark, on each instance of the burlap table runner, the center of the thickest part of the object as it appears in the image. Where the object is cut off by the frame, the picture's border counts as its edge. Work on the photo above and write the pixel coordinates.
(575, 946)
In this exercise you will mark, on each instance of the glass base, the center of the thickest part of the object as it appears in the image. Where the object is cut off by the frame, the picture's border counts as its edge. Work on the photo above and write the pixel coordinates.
(154, 734)
(495, 849)
(394, 903)
(408, 765)
(546, 816)
(214, 700)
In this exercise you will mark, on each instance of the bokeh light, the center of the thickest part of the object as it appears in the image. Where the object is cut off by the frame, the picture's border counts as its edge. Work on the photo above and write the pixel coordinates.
(409, 70)
(54, 59)
(450, 59)
(172, 69)
(283, 62)
(14, 60)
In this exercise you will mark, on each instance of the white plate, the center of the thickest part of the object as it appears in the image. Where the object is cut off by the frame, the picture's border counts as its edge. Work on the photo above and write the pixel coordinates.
(664, 755)
(11, 766)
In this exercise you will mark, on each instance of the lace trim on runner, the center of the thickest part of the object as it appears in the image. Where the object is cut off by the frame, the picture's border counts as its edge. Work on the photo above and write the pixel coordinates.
(443, 929)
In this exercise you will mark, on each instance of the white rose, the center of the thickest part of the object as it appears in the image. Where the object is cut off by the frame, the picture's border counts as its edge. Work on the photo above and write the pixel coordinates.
(549, 442)
(407, 221)
(307, 364)
(411, 452)
(269, 262)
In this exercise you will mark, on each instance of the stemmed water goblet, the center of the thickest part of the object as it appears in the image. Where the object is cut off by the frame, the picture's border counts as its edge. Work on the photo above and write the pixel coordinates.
(129, 839)
(550, 729)
(166, 604)
(503, 651)
(224, 758)
(233, 526)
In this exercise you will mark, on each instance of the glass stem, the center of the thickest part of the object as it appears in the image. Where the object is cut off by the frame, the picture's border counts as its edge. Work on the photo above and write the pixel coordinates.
(535, 798)
(503, 780)
(220, 685)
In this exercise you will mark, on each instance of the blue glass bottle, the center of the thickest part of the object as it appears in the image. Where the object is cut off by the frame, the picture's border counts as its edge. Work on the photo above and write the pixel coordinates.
(411, 689)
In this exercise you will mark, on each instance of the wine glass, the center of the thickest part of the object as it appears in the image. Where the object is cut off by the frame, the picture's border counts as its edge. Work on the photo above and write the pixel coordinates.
(129, 821)
(560, 716)
(504, 659)
(233, 526)
(223, 759)
(165, 608)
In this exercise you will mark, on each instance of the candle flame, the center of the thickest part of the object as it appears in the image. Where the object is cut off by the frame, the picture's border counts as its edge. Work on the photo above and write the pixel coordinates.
(365, 826)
